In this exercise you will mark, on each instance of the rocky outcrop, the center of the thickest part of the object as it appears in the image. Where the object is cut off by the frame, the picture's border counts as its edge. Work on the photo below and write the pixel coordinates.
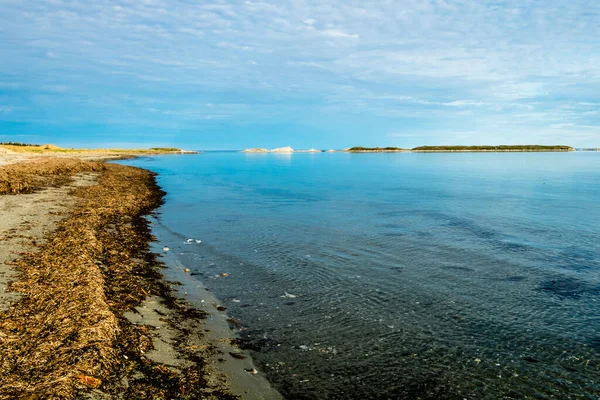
(286, 149)
(256, 150)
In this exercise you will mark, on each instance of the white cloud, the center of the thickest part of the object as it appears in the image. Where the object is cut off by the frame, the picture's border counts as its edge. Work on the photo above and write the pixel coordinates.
(336, 33)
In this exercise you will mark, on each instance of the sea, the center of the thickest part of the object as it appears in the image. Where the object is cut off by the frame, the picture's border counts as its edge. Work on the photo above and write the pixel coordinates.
(398, 275)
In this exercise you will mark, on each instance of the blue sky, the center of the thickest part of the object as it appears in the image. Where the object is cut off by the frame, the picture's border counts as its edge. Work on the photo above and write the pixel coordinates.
(328, 74)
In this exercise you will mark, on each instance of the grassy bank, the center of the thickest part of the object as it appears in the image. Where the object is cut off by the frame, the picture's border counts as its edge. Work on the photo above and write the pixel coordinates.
(67, 336)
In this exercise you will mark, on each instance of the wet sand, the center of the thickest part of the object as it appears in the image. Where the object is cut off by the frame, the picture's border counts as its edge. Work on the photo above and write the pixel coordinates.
(141, 339)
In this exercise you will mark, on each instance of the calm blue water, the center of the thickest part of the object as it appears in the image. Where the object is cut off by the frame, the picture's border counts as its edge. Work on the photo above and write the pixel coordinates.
(463, 275)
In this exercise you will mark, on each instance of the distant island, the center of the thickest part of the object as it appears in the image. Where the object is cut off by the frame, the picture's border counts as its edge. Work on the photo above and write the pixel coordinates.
(500, 148)
(360, 149)
(286, 149)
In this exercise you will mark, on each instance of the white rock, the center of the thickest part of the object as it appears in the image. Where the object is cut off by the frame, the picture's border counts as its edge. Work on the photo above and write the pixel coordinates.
(286, 149)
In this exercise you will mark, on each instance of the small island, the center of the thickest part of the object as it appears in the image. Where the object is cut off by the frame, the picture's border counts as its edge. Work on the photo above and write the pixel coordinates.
(500, 148)
(286, 149)
(360, 149)
(449, 149)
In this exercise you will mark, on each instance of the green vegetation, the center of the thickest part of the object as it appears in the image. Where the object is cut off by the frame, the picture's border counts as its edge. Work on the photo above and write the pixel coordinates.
(165, 149)
(358, 149)
(495, 148)
(18, 144)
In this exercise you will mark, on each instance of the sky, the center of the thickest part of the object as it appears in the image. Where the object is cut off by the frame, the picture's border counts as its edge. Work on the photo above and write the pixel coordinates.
(221, 74)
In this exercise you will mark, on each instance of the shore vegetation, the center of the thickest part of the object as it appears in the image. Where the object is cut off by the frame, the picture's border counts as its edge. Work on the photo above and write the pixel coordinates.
(18, 144)
(495, 148)
(359, 149)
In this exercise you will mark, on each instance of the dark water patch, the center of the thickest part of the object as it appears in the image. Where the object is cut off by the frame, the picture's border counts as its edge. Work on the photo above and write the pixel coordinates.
(568, 288)
(463, 224)
(471, 227)
(595, 342)
(458, 268)
(580, 253)
(391, 213)
(509, 246)
(393, 234)
(392, 226)
(515, 278)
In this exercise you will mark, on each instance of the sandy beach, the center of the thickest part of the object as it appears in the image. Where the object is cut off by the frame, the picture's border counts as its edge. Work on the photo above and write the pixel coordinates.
(85, 310)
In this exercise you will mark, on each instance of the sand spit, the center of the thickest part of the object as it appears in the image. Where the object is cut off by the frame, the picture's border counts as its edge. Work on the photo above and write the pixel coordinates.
(67, 336)
(10, 154)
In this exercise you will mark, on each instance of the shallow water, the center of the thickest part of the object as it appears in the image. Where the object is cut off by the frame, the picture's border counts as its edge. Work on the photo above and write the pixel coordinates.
(461, 275)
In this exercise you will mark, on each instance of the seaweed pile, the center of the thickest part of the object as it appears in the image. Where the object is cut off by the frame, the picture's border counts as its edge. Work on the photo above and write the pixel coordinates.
(28, 176)
(67, 335)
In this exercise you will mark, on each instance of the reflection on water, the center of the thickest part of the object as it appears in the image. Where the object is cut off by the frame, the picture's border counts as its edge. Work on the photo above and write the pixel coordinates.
(400, 275)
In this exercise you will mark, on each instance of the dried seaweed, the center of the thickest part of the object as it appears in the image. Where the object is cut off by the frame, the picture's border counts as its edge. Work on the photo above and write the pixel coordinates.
(32, 175)
(67, 334)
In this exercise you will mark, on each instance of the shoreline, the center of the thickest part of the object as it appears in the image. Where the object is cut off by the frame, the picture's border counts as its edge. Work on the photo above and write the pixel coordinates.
(96, 316)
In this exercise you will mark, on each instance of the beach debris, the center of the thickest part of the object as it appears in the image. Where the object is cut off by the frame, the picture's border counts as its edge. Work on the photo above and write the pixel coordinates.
(186, 270)
(237, 356)
(89, 381)
(236, 300)
(192, 241)
(252, 371)
(224, 274)
(477, 361)
(289, 295)
(304, 347)
(166, 248)
(234, 323)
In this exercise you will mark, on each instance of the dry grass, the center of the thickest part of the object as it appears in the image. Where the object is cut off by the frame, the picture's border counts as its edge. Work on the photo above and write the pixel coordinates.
(67, 334)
